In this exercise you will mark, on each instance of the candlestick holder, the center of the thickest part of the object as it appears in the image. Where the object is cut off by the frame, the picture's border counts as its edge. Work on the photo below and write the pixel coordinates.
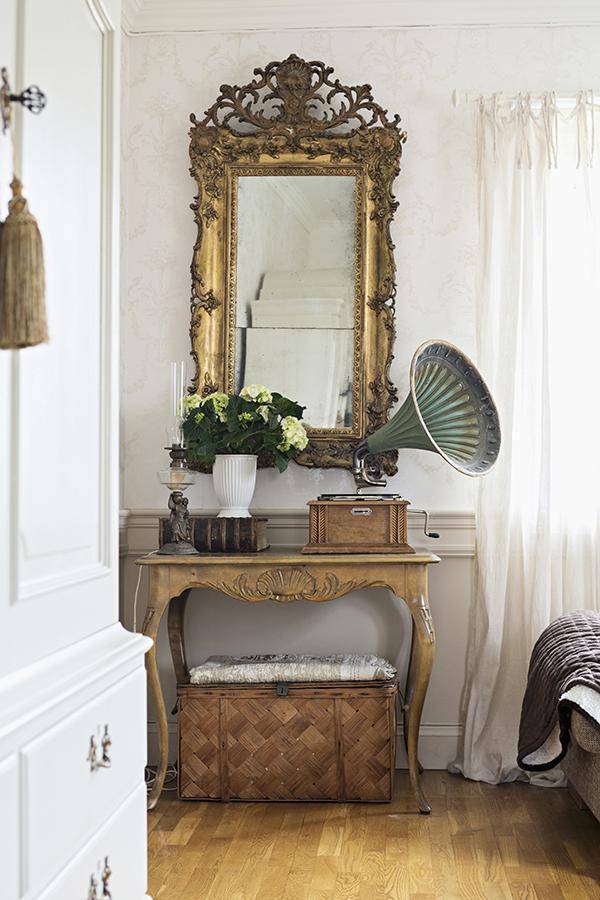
(178, 478)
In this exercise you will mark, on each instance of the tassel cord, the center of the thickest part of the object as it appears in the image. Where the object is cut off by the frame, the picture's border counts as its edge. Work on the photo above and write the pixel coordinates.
(22, 281)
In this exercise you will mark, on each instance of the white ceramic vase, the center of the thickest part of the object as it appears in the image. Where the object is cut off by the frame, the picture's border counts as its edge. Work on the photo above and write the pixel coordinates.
(234, 479)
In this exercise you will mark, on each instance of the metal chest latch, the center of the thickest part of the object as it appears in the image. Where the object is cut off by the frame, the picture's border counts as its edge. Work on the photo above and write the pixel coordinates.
(283, 688)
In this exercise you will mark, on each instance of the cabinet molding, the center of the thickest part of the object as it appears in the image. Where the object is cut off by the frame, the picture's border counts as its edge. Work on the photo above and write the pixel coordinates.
(172, 16)
(34, 698)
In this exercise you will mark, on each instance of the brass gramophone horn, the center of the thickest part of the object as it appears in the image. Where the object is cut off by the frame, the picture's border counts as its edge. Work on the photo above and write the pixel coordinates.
(449, 410)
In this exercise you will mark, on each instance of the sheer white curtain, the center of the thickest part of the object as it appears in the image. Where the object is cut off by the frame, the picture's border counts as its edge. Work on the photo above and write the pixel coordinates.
(538, 514)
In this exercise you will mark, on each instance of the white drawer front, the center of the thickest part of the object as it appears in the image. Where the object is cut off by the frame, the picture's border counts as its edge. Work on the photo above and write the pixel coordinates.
(9, 829)
(66, 802)
(123, 841)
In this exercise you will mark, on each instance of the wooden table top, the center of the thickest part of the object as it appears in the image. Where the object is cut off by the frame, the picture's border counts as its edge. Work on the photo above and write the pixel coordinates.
(290, 556)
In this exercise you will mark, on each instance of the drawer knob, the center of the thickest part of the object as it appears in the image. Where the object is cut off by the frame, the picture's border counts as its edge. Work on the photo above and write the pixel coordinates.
(105, 761)
(106, 873)
(94, 884)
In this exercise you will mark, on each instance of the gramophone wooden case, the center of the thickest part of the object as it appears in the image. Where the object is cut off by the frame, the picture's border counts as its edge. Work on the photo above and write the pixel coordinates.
(358, 526)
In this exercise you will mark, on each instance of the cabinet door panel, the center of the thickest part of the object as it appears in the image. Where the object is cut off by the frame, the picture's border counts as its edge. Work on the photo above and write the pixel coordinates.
(123, 841)
(9, 828)
(60, 519)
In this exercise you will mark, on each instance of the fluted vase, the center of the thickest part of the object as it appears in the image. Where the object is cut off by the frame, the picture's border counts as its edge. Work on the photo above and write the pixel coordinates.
(234, 479)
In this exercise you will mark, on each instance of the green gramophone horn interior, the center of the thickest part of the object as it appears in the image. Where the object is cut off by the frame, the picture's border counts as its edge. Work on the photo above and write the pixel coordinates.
(449, 410)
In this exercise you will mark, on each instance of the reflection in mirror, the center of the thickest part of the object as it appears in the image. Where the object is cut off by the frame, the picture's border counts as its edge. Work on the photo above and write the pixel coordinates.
(295, 290)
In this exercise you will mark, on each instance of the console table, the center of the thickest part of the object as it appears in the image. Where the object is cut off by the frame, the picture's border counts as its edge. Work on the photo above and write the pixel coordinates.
(286, 574)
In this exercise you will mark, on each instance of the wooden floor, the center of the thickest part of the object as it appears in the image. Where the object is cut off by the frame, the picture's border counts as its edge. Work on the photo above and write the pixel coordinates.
(480, 841)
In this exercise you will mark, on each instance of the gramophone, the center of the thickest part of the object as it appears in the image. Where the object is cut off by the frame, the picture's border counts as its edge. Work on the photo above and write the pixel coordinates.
(449, 411)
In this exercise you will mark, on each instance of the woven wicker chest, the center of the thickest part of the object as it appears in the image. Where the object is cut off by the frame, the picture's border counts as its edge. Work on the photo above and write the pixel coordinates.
(289, 741)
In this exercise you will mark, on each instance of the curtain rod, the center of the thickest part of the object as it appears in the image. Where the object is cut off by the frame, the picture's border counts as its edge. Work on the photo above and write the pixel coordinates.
(459, 98)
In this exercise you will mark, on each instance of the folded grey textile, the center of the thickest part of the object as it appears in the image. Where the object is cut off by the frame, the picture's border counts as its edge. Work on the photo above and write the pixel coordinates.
(283, 667)
(564, 675)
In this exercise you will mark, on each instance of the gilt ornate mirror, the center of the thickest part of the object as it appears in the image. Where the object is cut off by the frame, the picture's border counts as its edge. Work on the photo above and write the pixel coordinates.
(293, 276)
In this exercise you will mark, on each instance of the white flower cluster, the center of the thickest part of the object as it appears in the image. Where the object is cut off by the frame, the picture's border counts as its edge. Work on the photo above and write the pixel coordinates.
(294, 434)
(219, 400)
(263, 412)
(257, 392)
(190, 402)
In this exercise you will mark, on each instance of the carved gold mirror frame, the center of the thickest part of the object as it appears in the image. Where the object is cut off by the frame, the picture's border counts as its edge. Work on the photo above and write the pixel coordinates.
(294, 118)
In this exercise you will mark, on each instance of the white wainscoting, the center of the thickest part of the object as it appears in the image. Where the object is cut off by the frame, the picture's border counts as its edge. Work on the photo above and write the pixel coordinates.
(366, 621)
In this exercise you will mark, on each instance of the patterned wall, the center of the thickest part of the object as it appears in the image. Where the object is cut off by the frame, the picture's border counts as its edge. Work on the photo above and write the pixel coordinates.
(413, 72)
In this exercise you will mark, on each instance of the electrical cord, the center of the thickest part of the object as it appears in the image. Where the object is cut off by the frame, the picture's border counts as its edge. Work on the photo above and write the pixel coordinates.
(170, 777)
(137, 589)
(170, 783)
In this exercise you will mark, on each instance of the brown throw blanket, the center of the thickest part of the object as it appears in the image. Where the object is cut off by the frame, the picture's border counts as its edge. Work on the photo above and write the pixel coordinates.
(565, 656)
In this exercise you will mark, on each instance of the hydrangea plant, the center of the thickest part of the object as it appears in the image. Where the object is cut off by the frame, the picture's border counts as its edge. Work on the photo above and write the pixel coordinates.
(255, 421)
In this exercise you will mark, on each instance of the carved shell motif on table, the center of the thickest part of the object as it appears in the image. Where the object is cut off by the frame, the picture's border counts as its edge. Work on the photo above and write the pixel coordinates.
(286, 585)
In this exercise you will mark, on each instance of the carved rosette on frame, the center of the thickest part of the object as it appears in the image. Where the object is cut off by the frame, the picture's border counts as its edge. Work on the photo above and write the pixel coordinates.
(295, 115)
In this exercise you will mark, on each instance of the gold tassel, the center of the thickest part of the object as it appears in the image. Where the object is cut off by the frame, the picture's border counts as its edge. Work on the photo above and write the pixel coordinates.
(22, 282)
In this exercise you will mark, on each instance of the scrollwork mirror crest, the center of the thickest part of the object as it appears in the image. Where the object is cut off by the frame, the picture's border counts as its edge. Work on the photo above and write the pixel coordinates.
(295, 120)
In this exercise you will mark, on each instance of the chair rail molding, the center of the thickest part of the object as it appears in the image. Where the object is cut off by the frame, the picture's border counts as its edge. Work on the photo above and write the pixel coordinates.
(171, 16)
(138, 530)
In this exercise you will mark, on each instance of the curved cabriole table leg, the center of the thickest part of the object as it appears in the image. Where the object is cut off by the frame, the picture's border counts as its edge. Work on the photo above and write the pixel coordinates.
(158, 600)
(175, 622)
(405, 695)
(421, 664)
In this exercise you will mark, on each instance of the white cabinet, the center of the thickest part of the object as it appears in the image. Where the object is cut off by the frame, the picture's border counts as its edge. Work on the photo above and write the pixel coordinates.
(67, 667)
(53, 802)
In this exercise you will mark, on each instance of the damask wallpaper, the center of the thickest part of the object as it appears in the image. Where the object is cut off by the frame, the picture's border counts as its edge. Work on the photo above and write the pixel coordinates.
(413, 72)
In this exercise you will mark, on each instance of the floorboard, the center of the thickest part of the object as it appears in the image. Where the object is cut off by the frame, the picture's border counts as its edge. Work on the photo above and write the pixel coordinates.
(510, 841)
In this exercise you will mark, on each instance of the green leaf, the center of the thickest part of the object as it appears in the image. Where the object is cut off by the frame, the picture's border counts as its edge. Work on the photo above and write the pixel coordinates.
(286, 407)
(280, 461)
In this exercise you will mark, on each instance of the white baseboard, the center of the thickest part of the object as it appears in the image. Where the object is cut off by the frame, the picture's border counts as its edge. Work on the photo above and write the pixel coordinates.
(438, 745)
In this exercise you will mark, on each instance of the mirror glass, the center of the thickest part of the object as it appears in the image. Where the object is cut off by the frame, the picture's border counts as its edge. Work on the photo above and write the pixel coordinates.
(295, 290)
